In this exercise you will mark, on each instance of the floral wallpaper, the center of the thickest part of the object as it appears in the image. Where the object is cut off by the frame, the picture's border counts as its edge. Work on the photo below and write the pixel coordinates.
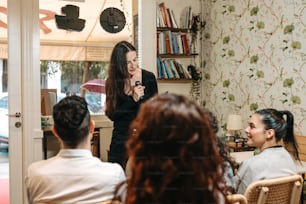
(253, 56)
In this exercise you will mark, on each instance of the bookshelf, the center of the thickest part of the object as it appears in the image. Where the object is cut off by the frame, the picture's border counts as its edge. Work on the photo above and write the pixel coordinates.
(173, 42)
(147, 50)
(178, 55)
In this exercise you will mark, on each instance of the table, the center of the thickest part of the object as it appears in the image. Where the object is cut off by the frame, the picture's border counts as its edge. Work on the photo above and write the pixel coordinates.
(46, 133)
(103, 126)
(301, 167)
(239, 146)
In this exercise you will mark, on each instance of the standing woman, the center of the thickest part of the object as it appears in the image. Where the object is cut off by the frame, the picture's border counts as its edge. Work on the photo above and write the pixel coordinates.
(266, 130)
(127, 86)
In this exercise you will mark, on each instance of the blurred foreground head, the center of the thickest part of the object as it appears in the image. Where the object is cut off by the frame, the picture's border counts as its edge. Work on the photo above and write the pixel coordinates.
(174, 154)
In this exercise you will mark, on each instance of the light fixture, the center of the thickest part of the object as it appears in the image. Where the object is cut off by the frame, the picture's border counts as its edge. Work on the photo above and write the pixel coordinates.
(70, 19)
(234, 125)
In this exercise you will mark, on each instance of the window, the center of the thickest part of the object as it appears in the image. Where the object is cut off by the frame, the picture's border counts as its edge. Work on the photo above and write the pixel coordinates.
(68, 76)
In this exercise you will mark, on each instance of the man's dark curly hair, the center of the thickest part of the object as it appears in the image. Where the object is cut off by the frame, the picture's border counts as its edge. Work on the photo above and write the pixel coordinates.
(71, 120)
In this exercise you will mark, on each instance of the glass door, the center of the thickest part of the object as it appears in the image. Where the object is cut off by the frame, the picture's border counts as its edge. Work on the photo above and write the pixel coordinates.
(26, 45)
(75, 50)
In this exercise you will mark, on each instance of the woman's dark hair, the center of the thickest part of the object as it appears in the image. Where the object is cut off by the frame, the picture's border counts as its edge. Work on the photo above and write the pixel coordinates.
(71, 120)
(283, 126)
(175, 157)
(117, 77)
(224, 149)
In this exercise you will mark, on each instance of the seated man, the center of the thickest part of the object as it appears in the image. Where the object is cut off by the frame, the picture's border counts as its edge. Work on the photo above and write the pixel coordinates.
(73, 175)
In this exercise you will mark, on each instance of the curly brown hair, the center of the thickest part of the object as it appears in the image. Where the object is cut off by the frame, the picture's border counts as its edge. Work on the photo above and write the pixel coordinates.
(174, 153)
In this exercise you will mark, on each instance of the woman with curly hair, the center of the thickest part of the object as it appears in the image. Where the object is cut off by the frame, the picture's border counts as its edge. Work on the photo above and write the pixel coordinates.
(174, 154)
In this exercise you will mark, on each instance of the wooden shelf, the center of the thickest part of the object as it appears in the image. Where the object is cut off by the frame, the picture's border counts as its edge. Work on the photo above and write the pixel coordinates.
(183, 30)
(176, 80)
(177, 55)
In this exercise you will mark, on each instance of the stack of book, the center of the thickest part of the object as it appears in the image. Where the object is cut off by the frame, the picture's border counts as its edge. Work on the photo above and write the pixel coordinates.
(169, 42)
(171, 69)
(166, 17)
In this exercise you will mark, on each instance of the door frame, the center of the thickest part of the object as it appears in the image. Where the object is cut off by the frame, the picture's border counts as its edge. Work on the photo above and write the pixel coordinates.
(25, 143)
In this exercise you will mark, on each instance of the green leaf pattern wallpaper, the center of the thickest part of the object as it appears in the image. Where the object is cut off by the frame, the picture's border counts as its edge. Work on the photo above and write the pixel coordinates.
(253, 56)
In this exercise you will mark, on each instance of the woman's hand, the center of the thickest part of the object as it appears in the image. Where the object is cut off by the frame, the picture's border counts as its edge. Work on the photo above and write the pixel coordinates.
(138, 92)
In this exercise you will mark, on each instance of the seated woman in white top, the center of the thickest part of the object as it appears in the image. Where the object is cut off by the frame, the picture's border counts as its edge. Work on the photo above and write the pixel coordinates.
(266, 130)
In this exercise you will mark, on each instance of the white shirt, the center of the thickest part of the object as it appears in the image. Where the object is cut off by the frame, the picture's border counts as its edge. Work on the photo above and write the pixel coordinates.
(73, 176)
(270, 163)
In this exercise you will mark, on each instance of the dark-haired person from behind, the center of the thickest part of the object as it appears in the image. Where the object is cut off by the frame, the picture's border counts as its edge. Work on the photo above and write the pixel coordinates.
(73, 175)
(174, 154)
(127, 87)
(267, 129)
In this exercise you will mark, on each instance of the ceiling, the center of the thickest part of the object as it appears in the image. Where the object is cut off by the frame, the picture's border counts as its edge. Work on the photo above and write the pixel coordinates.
(90, 10)
(92, 35)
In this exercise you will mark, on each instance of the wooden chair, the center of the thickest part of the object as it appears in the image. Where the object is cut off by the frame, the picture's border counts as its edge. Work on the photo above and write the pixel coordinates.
(110, 202)
(95, 144)
(103, 202)
(278, 190)
(301, 141)
(236, 199)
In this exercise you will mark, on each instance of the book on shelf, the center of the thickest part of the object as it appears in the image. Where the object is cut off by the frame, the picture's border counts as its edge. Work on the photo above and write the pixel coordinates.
(164, 13)
(175, 24)
(179, 69)
(161, 43)
(169, 17)
(186, 18)
(180, 43)
(171, 69)
(159, 18)
(172, 73)
(160, 68)
(175, 45)
(166, 70)
(183, 72)
(157, 43)
(169, 42)
(185, 43)
(165, 17)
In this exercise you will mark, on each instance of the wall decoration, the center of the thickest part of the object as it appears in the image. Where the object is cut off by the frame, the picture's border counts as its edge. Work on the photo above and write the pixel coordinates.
(70, 20)
(112, 20)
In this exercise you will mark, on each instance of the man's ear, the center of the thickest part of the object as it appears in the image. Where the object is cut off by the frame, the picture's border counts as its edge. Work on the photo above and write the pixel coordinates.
(92, 125)
(55, 132)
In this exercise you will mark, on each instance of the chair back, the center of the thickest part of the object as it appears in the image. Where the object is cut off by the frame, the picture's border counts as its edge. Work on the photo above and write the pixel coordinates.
(110, 202)
(301, 141)
(103, 202)
(278, 190)
(236, 199)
